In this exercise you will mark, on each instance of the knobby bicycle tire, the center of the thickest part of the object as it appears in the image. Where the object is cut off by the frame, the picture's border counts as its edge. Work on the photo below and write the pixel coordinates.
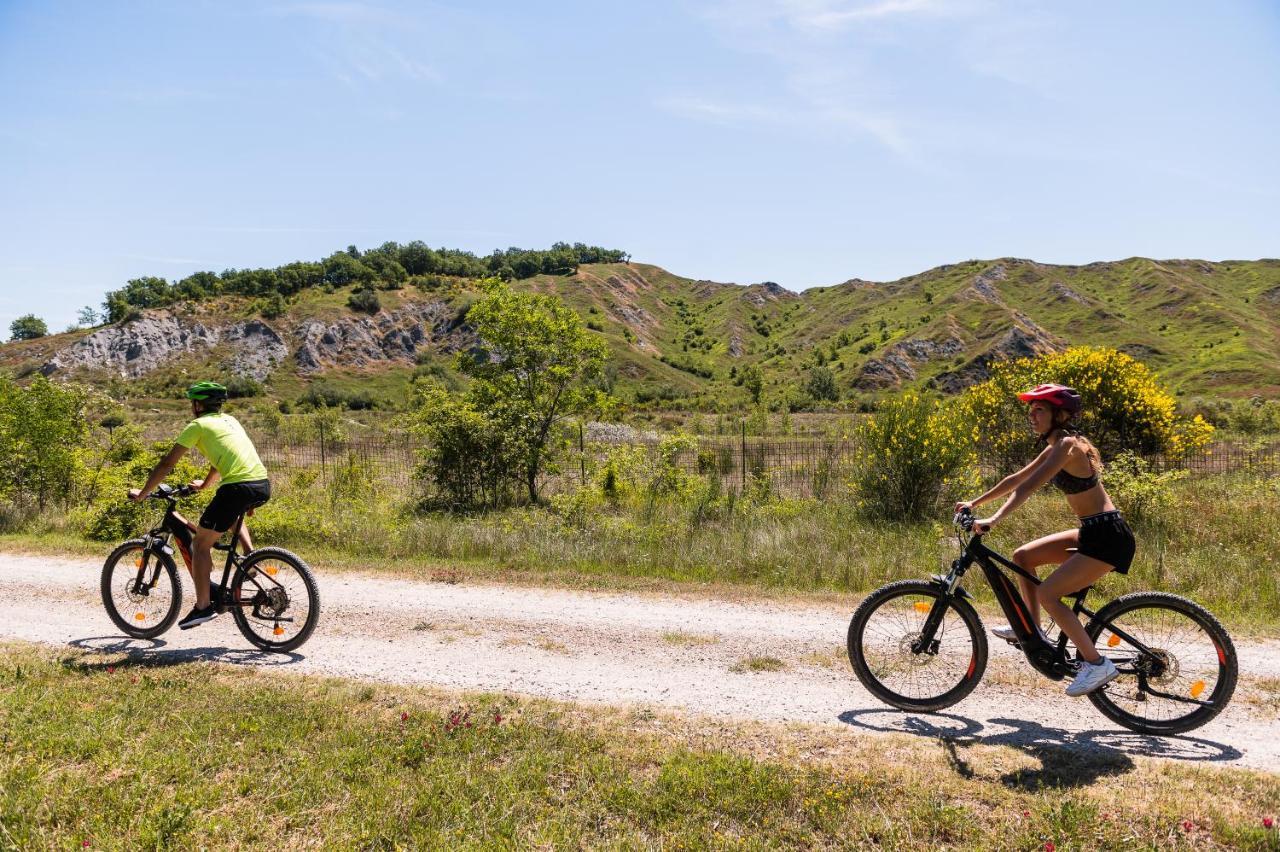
(309, 582)
(127, 624)
(977, 647)
(1108, 700)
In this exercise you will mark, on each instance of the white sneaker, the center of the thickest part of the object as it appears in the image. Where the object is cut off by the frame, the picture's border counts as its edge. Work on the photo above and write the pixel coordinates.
(1092, 676)
(1007, 633)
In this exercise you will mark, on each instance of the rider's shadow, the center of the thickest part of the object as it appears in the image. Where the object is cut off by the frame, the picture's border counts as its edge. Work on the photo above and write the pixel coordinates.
(1067, 758)
(151, 653)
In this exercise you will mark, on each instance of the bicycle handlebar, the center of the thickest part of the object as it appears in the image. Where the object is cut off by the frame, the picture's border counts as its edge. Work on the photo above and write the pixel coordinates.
(169, 492)
(964, 519)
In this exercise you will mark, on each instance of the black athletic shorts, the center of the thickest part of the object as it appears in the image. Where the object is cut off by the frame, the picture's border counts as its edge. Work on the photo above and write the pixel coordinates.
(230, 501)
(1106, 537)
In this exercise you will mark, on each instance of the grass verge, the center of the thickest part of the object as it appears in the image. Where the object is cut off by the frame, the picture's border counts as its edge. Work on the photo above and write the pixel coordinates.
(113, 752)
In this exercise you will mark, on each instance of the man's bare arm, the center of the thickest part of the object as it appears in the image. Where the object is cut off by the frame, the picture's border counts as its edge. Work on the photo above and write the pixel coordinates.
(162, 470)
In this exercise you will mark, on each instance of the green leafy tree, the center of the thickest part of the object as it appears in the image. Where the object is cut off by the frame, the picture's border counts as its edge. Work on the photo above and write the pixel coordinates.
(27, 327)
(42, 430)
(537, 365)
(88, 317)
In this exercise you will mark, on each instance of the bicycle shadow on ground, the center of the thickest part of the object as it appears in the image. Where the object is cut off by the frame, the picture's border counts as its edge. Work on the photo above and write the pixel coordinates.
(152, 653)
(1067, 758)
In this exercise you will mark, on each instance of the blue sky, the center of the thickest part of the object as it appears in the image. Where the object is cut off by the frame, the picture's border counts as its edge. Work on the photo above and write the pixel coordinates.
(800, 141)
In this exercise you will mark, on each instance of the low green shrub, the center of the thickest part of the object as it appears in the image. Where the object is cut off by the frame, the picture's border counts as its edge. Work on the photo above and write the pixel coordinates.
(914, 456)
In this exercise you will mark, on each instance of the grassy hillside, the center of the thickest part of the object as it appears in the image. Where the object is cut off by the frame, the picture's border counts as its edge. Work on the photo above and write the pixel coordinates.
(1209, 329)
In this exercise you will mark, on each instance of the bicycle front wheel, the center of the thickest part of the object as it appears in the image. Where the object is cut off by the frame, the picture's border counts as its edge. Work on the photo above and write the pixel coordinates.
(890, 660)
(275, 600)
(1183, 678)
(141, 590)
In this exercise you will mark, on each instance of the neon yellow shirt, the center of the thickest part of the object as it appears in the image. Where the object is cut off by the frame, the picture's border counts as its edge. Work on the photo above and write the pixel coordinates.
(222, 440)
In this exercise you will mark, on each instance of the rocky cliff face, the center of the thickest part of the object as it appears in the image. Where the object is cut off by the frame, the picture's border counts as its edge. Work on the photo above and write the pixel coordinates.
(254, 348)
(136, 348)
(386, 336)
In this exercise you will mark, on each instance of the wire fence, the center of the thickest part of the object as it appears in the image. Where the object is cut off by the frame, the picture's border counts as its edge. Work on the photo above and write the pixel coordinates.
(806, 467)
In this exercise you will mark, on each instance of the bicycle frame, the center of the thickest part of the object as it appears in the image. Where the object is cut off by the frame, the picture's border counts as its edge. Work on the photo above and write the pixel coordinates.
(174, 525)
(1050, 659)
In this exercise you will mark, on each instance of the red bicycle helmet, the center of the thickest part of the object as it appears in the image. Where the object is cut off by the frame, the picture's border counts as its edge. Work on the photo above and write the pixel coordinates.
(1057, 395)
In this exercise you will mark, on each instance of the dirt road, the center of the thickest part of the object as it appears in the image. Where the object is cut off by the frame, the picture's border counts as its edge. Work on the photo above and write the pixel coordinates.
(697, 655)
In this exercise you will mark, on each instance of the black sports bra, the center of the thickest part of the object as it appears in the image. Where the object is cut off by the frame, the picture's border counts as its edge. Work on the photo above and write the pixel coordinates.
(1066, 482)
(1069, 484)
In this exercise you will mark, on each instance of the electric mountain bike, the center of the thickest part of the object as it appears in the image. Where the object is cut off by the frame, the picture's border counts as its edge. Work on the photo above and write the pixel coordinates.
(919, 645)
(270, 592)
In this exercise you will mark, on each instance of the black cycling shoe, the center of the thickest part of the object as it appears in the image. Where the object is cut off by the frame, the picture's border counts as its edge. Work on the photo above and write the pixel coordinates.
(215, 596)
(199, 616)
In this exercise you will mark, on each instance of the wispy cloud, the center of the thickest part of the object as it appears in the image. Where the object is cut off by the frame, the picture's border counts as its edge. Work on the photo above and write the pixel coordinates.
(839, 66)
(363, 43)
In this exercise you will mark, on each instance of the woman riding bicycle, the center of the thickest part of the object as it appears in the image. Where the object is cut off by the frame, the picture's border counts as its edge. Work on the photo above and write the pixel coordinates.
(1103, 542)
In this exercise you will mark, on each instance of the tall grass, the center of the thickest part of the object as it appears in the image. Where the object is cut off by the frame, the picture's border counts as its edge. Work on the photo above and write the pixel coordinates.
(1214, 539)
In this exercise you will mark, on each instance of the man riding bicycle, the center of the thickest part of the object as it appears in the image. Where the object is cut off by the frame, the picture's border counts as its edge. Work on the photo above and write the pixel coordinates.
(232, 457)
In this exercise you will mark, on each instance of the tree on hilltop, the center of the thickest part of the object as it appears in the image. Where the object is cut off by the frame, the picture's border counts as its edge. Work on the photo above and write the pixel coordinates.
(27, 327)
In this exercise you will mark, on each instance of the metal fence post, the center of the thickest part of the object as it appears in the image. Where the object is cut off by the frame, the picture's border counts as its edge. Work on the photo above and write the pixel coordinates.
(324, 473)
(582, 457)
(743, 466)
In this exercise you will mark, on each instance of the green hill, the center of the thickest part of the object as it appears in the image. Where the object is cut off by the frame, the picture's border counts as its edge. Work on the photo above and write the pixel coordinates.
(1210, 329)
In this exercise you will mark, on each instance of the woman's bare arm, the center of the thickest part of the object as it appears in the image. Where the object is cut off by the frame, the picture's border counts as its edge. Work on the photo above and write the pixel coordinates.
(1012, 481)
(1052, 460)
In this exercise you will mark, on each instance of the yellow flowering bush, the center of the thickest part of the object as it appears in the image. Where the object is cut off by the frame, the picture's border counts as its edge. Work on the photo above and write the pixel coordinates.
(914, 456)
(1126, 408)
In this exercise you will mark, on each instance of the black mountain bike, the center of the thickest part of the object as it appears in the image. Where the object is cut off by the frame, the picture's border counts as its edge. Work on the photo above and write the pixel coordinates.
(919, 645)
(270, 592)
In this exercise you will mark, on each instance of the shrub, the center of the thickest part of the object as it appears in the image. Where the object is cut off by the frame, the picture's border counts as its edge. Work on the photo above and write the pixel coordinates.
(1145, 494)
(365, 301)
(821, 384)
(668, 475)
(913, 456)
(324, 395)
(1125, 406)
(467, 463)
(272, 306)
(243, 386)
(108, 515)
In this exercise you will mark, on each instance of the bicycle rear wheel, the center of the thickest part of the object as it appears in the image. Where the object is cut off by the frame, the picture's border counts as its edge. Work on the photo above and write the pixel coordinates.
(141, 590)
(275, 600)
(1186, 679)
(884, 635)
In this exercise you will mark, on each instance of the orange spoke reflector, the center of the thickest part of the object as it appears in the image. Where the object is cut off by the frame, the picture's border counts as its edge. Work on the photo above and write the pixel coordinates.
(1197, 688)
(270, 570)
(279, 631)
(921, 606)
(1113, 640)
(139, 616)
(138, 562)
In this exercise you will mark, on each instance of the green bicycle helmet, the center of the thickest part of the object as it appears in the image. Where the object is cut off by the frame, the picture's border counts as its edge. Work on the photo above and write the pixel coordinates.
(207, 392)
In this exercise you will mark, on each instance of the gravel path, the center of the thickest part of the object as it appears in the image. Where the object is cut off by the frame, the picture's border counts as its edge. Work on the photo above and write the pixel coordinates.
(672, 653)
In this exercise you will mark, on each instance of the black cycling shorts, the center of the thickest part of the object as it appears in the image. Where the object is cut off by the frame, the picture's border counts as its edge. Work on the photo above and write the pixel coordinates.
(231, 501)
(1107, 538)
